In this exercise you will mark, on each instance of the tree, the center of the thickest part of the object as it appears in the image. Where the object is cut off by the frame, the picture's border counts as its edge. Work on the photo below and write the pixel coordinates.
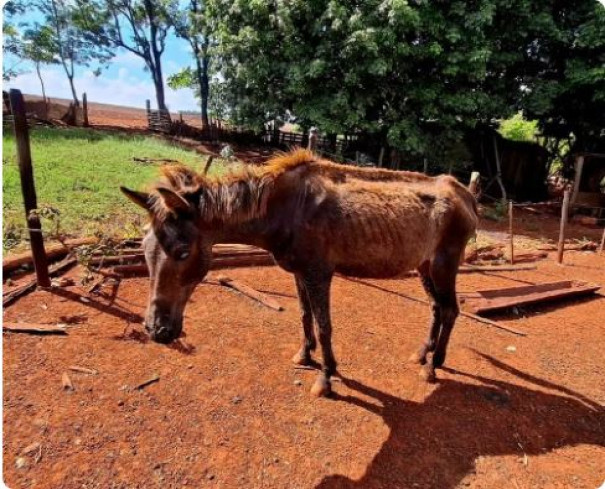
(412, 75)
(140, 27)
(38, 48)
(191, 24)
(12, 39)
(69, 41)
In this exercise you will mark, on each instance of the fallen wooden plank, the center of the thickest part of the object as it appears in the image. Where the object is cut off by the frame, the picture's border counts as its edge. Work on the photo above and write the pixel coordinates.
(217, 264)
(13, 295)
(53, 252)
(33, 328)
(483, 301)
(264, 299)
(118, 259)
(494, 268)
(469, 315)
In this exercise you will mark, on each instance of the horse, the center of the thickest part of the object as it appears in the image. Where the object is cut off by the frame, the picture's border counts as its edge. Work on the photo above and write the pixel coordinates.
(316, 218)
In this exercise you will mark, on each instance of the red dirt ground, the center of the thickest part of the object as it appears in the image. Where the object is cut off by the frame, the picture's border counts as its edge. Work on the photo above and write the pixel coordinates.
(228, 410)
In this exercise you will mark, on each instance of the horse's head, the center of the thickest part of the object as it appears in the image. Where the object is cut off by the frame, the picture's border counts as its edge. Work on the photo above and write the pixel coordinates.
(178, 257)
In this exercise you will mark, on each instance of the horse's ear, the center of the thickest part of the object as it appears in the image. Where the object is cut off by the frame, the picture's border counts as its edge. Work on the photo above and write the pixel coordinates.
(139, 198)
(173, 201)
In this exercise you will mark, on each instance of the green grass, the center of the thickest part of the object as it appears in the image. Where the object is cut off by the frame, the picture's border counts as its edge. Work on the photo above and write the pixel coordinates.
(78, 173)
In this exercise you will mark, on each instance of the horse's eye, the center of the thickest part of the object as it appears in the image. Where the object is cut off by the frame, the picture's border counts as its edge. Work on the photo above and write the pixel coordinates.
(183, 255)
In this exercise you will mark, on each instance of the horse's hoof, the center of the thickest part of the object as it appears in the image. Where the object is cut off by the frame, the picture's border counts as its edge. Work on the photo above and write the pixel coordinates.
(417, 358)
(301, 359)
(321, 387)
(427, 373)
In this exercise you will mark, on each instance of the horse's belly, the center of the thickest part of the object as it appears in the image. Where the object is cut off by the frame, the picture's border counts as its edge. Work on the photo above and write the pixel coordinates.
(381, 267)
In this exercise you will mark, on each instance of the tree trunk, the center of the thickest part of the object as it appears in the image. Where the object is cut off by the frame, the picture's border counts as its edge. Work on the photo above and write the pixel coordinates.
(204, 87)
(43, 90)
(73, 90)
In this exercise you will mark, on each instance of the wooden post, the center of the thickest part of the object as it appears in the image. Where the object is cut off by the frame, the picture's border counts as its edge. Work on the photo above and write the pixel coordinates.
(510, 231)
(564, 211)
(426, 166)
(148, 109)
(85, 109)
(28, 188)
(579, 166)
(473, 185)
(603, 242)
(313, 139)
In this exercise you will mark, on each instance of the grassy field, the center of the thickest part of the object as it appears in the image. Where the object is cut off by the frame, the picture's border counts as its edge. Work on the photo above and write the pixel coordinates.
(78, 173)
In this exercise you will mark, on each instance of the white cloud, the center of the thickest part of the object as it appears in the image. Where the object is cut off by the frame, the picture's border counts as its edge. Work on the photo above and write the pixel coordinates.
(126, 89)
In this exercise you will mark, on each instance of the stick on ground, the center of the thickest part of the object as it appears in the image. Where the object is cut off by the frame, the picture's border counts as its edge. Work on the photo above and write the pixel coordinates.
(264, 299)
(33, 328)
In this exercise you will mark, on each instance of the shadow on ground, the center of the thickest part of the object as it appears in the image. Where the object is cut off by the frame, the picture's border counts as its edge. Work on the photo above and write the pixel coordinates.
(435, 443)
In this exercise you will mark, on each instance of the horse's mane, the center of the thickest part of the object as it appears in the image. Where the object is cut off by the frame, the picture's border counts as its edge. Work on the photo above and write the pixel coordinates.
(237, 196)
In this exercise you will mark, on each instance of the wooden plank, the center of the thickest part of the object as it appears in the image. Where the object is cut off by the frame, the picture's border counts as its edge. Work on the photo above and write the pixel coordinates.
(52, 253)
(494, 300)
(494, 268)
(245, 289)
(32, 328)
(28, 188)
(12, 296)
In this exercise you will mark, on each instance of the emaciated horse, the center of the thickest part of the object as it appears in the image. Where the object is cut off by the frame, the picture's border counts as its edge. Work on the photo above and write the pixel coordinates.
(317, 218)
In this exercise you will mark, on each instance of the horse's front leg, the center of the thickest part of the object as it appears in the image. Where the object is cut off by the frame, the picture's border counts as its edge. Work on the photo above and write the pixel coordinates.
(309, 343)
(318, 291)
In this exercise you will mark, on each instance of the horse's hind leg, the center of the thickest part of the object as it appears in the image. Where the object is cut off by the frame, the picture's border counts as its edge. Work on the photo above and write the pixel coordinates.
(309, 343)
(443, 270)
(435, 323)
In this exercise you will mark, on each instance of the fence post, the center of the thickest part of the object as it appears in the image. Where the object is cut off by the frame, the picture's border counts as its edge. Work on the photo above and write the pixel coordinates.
(28, 188)
(148, 109)
(313, 133)
(564, 212)
(510, 232)
(85, 109)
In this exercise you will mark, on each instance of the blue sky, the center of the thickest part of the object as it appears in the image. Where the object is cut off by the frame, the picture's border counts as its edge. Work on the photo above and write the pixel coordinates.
(124, 82)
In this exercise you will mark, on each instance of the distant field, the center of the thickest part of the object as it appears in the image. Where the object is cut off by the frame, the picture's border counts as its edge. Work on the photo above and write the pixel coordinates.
(78, 172)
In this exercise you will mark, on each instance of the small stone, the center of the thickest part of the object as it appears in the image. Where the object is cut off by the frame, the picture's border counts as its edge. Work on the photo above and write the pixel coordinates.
(210, 477)
(511, 348)
(21, 463)
(190, 366)
(298, 382)
(120, 403)
(236, 400)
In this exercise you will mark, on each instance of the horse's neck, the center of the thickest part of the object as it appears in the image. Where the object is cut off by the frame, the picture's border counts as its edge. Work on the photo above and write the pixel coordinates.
(254, 232)
(241, 224)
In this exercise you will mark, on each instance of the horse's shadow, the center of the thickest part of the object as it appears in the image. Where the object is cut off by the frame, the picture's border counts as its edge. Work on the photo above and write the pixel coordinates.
(434, 444)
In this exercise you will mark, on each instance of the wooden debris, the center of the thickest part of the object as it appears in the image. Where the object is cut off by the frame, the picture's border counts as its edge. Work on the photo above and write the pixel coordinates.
(96, 284)
(588, 246)
(66, 382)
(118, 259)
(83, 370)
(31, 286)
(264, 299)
(155, 378)
(62, 282)
(483, 301)
(54, 252)
(33, 328)
(494, 268)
